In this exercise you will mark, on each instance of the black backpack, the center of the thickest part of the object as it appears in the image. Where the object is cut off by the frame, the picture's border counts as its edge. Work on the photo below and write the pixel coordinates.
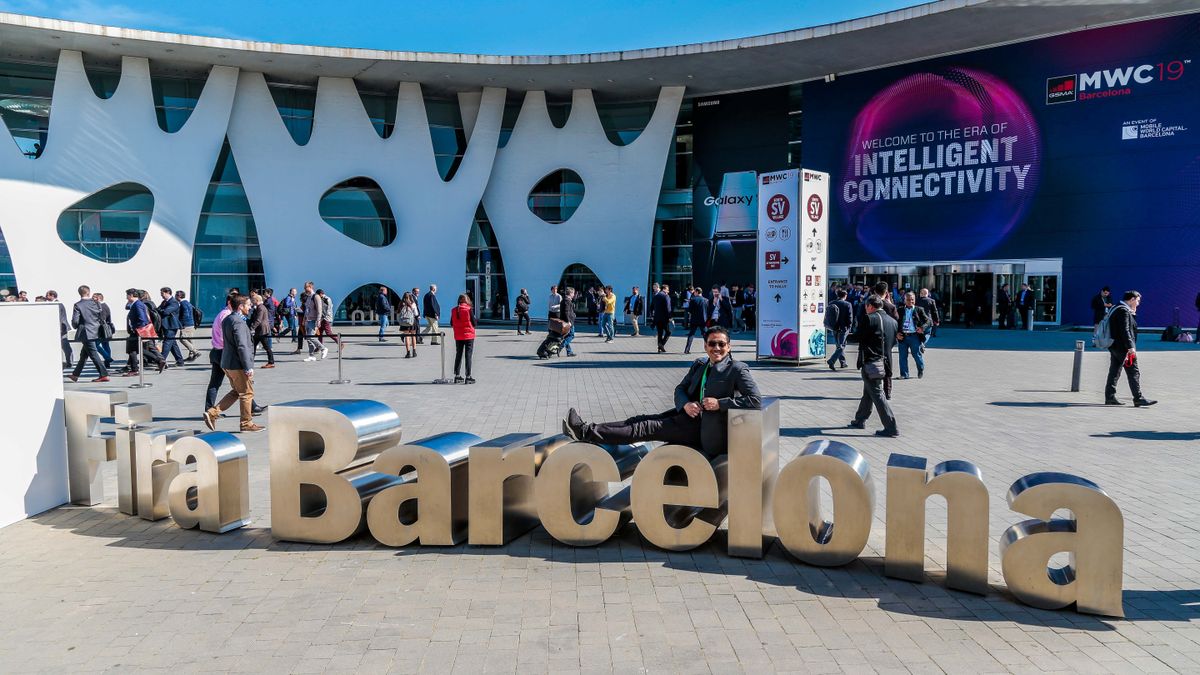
(155, 316)
(831, 316)
(197, 316)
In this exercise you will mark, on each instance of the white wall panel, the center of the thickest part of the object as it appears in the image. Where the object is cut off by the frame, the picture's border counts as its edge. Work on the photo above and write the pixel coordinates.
(94, 144)
(285, 182)
(611, 231)
(33, 447)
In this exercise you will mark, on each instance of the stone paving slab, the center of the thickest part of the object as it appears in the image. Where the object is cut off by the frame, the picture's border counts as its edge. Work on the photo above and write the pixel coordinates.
(92, 590)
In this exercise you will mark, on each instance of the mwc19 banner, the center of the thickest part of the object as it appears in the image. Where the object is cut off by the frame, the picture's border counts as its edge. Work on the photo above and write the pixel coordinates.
(814, 259)
(778, 264)
(1084, 147)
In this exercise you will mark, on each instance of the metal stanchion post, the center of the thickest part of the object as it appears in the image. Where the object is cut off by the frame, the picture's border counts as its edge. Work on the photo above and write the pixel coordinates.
(1076, 371)
(141, 359)
(442, 343)
(340, 379)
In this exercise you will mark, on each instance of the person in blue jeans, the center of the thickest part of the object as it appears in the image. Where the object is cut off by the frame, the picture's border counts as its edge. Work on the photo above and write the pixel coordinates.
(608, 311)
(383, 309)
(914, 321)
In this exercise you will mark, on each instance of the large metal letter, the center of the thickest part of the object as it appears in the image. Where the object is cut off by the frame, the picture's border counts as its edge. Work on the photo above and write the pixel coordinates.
(430, 506)
(87, 446)
(753, 468)
(698, 491)
(909, 486)
(155, 470)
(1094, 538)
(803, 529)
(320, 457)
(129, 418)
(502, 505)
(561, 505)
(216, 495)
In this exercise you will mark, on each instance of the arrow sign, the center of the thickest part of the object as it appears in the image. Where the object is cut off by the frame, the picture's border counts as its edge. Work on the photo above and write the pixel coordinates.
(785, 260)
(814, 267)
(778, 297)
(814, 232)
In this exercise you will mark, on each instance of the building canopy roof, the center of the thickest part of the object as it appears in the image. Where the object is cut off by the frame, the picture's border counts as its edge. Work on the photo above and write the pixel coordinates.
(911, 34)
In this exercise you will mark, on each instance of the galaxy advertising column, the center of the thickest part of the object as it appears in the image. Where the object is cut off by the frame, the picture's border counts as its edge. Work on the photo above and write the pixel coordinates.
(778, 265)
(814, 258)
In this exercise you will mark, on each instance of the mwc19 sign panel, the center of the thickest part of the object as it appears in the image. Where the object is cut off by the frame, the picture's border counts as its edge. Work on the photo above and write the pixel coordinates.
(1082, 147)
(793, 236)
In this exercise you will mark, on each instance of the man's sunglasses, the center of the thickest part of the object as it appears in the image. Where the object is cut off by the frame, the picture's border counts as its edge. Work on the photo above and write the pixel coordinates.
(718, 344)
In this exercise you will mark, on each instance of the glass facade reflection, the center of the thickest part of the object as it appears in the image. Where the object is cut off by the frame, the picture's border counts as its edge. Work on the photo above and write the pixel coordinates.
(108, 226)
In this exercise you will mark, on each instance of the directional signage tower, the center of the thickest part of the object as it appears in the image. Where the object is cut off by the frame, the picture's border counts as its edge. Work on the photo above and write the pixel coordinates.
(793, 223)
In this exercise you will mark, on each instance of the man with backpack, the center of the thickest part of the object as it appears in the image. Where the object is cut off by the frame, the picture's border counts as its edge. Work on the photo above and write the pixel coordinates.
(1118, 332)
(838, 316)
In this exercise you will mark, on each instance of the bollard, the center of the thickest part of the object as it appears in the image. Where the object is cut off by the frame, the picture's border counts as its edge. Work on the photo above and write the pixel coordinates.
(442, 343)
(1076, 371)
(340, 380)
(141, 359)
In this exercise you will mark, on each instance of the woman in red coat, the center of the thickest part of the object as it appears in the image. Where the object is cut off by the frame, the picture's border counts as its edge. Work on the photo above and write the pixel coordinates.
(462, 320)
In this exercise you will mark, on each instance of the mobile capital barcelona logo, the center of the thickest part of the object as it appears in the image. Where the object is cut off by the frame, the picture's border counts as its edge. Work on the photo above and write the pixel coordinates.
(947, 156)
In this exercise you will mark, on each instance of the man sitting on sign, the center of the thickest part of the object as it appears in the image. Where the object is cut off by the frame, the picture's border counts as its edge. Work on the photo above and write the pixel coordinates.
(712, 386)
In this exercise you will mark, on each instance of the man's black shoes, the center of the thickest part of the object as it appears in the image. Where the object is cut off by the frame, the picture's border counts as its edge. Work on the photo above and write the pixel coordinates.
(857, 425)
(572, 425)
(1112, 401)
(832, 368)
(887, 434)
(1143, 402)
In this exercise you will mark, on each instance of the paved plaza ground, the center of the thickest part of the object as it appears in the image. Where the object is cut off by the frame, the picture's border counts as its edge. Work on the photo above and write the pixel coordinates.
(90, 589)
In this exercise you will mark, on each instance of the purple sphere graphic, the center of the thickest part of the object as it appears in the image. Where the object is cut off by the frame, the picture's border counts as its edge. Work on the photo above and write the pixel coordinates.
(970, 141)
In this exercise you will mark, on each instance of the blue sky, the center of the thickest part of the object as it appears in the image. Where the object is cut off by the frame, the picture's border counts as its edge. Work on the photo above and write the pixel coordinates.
(497, 27)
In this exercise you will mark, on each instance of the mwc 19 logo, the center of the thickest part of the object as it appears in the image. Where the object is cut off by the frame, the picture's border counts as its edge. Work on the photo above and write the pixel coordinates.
(1111, 82)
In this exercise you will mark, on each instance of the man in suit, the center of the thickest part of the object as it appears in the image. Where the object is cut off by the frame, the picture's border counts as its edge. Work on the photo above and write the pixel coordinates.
(383, 310)
(1026, 300)
(237, 360)
(1122, 353)
(876, 338)
(717, 310)
(567, 314)
(838, 317)
(635, 307)
(187, 326)
(926, 302)
(711, 386)
(432, 311)
(169, 309)
(86, 318)
(63, 327)
(1004, 305)
(660, 314)
(914, 323)
(1102, 302)
(694, 310)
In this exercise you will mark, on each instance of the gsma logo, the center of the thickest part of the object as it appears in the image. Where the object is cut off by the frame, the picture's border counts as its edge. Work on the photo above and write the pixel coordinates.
(1060, 89)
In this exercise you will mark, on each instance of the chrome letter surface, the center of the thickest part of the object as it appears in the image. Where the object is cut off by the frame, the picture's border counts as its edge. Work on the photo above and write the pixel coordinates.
(129, 418)
(430, 505)
(909, 486)
(803, 529)
(569, 486)
(216, 495)
(697, 491)
(1094, 538)
(87, 446)
(753, 469)
(155, 469)
(502, 507)
(320, 457)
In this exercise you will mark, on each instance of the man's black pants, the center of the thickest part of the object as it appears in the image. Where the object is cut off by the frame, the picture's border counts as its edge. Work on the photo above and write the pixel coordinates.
(671, 426)
(89, 351)
(215, 377)
(170, 346)
(664, 334)
(1116, 361)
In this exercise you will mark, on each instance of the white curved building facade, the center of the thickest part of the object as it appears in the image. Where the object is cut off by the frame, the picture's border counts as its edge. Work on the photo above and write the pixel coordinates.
(145, 159)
